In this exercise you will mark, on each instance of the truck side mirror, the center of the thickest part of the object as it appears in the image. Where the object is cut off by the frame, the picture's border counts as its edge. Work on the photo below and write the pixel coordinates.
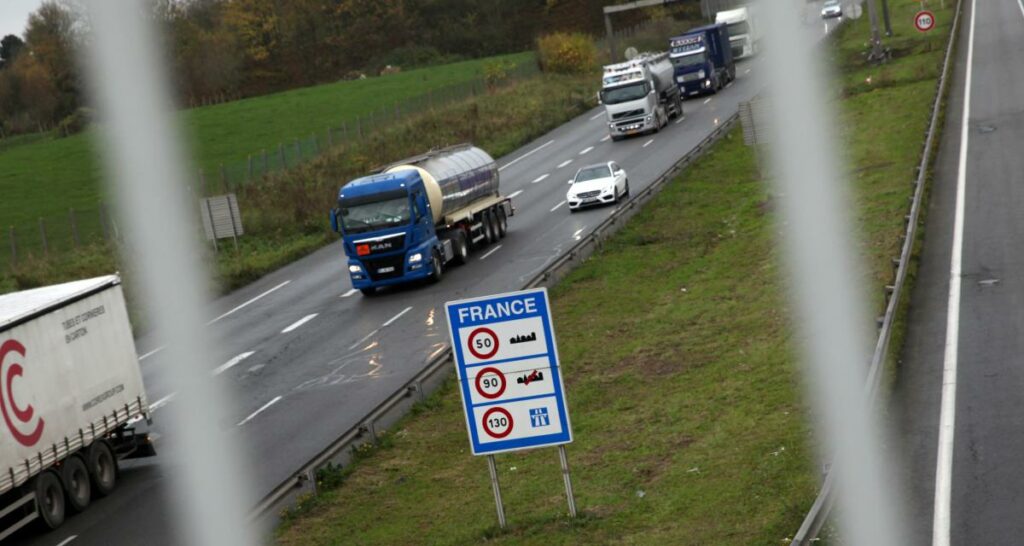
(334, 221)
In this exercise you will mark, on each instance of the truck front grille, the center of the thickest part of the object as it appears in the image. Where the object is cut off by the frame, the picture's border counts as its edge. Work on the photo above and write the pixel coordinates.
(692, 76)
(628, 114)
(374, 265)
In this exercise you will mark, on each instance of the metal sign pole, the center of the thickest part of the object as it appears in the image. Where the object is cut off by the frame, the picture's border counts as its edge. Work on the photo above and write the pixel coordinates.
(497, 490)
(568, 481)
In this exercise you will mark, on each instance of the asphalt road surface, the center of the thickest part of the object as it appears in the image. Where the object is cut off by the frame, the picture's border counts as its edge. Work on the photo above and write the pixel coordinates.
(306, 355)
(968, 351)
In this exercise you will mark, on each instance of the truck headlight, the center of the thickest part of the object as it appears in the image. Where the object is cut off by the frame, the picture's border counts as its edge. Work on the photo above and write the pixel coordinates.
(701, 74)
(355, 269)
(415, 258)
(647, 119)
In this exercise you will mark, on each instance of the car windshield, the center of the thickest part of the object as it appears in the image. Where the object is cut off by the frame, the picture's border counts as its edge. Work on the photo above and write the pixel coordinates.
(699, 57)
(832, 4)
(593, 173)
(736, 29)
(376, 215)
(625, 93)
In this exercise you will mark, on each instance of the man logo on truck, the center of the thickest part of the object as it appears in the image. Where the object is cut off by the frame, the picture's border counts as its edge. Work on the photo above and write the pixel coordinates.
(7, 403)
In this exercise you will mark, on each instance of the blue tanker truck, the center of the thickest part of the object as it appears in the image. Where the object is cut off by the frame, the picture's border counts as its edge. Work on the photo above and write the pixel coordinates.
(408, 221)
(702, 59)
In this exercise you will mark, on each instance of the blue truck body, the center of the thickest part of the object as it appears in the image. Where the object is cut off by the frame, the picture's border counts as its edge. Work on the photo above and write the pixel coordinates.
(702, 60)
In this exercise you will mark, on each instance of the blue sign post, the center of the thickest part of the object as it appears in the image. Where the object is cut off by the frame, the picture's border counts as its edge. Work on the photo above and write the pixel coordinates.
(506, 360)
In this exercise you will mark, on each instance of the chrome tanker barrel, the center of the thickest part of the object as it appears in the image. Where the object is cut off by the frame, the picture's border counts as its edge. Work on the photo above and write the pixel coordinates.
(454, 177)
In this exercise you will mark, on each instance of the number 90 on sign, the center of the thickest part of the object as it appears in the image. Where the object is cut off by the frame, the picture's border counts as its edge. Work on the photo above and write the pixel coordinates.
(490, 383)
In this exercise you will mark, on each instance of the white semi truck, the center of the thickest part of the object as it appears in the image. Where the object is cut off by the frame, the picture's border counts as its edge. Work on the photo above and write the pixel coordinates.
(640, 95)
(70, 390)
(744, 30)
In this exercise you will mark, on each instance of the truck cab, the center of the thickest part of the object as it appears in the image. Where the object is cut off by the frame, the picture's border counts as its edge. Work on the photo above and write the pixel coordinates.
(387, 230)
(743, 31)
(639, 95)
(702, 60)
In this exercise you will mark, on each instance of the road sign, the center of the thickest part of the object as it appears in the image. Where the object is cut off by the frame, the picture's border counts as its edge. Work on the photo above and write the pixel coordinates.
(924, 20)
(507, 364)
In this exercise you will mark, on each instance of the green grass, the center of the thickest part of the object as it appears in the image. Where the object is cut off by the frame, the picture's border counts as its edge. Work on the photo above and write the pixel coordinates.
(44, 177)
(685, 398)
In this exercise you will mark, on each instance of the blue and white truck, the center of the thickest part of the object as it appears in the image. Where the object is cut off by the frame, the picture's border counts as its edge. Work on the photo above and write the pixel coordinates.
(702, 60)
(409, 220)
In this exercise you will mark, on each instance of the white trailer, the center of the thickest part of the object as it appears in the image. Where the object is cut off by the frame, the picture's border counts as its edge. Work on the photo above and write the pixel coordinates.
(70, 387)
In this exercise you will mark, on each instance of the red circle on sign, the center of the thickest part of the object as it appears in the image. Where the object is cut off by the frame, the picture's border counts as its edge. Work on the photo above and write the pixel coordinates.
(480, 376)
(924, 20)
(480, 331)
(487, 416)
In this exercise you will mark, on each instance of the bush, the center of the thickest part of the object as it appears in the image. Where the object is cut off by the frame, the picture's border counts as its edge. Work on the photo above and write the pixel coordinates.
(75, 123)
(496, 72)
(565, 53)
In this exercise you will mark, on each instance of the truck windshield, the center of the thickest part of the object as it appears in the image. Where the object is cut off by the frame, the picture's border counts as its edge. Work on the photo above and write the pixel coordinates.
(375, 215)
(625, 93)
(699, 57)
(737, 29)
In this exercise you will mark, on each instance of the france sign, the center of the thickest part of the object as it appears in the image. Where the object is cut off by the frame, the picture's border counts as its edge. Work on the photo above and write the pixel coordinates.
(507, 364)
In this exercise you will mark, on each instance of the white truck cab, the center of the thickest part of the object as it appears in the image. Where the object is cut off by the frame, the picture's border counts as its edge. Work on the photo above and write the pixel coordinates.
(744, 33)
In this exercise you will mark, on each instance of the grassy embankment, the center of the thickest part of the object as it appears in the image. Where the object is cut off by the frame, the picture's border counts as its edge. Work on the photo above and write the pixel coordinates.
(689, 423)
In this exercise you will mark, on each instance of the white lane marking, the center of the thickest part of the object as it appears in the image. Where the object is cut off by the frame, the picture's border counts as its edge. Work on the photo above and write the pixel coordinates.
(577, 234)
(437, 352)
(597, 115)
(526, 155)
(564, 163)
(257, 298)
(349, 293)
(728, 85)
(606, 137)
(747, 71)
(539, 178)
(232, 363)
(947, 412)
(299, 323)
(366, 337)
(259, 411)
(162, 402)
(515, 193)
(587, 149)
(151, 353)
(396, 317)
(680, 120)
(68, 540)
(707, 100)
(489, 252)
(556, 207)
(648, 143)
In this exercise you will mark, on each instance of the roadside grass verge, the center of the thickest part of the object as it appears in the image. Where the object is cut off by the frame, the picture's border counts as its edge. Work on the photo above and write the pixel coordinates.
(44, 176)
(675, 343)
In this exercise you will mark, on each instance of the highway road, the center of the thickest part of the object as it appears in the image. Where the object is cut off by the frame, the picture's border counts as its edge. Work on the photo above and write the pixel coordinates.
(960, 388)
(306, 356)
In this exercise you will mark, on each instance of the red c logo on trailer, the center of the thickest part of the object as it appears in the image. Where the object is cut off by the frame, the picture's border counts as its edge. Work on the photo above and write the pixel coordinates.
(485, 347)
(23, 415)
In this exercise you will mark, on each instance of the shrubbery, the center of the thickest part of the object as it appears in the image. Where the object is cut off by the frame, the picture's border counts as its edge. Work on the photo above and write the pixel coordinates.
(565, 53)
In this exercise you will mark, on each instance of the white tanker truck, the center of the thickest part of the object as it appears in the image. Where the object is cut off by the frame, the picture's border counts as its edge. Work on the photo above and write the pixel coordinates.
(640, 95)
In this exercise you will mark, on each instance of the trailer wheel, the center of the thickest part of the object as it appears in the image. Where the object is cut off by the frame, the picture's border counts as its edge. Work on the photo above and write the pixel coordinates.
(435, 265)
(102, 468)
(502, 222)
(76, 483)
(49, 499)
(461, 247)
(490, 235)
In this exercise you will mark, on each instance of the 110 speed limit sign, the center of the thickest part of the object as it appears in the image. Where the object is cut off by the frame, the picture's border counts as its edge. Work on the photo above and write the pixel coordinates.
(924, 21)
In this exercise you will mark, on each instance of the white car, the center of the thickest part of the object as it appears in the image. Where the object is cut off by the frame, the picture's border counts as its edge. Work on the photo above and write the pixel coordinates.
(599, 184)
(832, 8)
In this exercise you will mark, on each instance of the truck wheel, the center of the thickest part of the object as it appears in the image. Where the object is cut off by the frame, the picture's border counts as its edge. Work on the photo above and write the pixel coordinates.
(102, 468)
(435, 264)
(75, 476)
(49, 499)
(368, 291)
(502, 222)
(461, 247)
(489, 235)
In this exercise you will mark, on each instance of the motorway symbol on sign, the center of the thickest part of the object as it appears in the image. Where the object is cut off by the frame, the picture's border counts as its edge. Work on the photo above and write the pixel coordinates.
(924, 20)
(509, 378)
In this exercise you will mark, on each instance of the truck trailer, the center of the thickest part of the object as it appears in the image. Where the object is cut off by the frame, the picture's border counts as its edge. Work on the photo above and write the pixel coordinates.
(744, 30)
(408, 221)
(639, 95)
(70, 392)
(702, 59)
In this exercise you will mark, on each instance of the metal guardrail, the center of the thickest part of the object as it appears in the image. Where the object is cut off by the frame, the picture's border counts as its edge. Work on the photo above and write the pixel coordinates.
(815, 519)
(438, 366)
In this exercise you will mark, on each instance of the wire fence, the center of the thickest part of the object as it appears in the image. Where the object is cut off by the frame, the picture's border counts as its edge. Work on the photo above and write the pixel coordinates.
(55, 235)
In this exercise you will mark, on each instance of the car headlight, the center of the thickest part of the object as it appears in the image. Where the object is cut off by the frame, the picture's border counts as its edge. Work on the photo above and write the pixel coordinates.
(415, 258)
(701, 74)
(354, 269)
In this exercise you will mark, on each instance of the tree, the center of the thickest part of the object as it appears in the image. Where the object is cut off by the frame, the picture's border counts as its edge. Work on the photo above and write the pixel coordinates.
(10, 45)
(50, 38)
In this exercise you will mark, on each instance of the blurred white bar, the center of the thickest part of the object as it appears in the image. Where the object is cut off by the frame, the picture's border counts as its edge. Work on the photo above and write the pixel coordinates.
(144, 157)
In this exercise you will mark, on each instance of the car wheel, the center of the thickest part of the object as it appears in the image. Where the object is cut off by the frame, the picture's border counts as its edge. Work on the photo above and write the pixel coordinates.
(626, 193)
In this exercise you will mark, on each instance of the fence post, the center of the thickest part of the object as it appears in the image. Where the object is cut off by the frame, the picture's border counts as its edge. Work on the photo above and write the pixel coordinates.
(316, 144)
(14, 245)
(398, 111)
(249, 179)
(104, 228)
(344, 131)
(202, 183)
(223, 178)
(74, 227)
(42, 236)
(359, 127)
(280, 152)
(298, 151)
(330, 137)
(264, 152)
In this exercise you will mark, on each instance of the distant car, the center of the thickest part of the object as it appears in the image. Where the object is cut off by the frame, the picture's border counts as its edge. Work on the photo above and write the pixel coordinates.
(831, 8)
(600, 184)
